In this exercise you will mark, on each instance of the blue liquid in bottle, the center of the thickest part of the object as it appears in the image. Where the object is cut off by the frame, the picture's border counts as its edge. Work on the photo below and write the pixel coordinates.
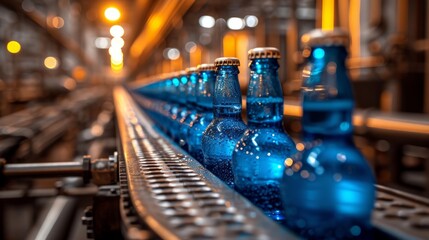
(328, 187)
(204, 117)
(227, 126)
(179, 111)
(191, 104)
(259, 155)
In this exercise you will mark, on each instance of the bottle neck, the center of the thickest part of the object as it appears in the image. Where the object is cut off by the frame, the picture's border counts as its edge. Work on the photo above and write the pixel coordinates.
(205, 87)
(264, 95)
(327, 97)
(182, 90)
(191, 98)
(227, 93)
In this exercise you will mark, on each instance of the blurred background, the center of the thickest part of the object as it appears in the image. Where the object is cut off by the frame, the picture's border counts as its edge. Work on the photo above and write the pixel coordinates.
(59, 60)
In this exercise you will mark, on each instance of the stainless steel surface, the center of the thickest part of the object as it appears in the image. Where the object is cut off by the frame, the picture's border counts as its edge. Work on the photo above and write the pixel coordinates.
(173, 194)
(402, 215)
(54, 223)
(59, 169)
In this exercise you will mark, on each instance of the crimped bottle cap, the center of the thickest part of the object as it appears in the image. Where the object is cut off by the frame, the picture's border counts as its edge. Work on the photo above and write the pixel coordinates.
(191, 70)
(206, 67)
(319, 37)
(263, 52)
(227, 61)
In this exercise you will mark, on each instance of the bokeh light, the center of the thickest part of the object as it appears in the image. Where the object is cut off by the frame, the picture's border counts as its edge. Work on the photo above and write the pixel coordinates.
(13, 47)
(102, 43)
(235, 23)
(112, 14)
(117, 31)
(206, 21)
(56, 22)
(117, 42)
(51, 62)
(251, 21)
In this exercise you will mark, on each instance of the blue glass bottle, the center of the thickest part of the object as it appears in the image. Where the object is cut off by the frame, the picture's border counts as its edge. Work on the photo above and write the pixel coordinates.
(259, 155)
(328, 187)
(225, 130)
(205, 88)
(180, 109)
(191, 107)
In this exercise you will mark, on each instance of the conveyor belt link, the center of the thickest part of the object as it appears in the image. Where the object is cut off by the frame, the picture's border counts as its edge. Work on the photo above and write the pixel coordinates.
(173, 194)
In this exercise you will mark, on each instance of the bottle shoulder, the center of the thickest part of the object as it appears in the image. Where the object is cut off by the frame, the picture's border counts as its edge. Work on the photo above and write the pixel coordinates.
(267, 137)
(225, 126)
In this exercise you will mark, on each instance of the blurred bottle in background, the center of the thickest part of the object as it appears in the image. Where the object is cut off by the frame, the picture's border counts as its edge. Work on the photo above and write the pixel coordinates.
(328, 187)
(191, 106)
(181, 109)
(205, 88)
(259, 155)
(227, 126)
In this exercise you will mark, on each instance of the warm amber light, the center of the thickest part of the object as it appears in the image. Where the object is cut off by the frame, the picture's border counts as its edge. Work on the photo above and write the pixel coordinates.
(117, 59)
(79, 73)
(56, 22)
(229, 45)
(328, 8)
(51, 62)
(13, 47)
(116, 67)
(195, 55)
(112, 14)
(300, 147)
(288, 162)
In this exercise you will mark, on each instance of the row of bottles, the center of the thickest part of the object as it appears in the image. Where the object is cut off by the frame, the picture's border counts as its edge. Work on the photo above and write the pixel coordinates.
(322, 189)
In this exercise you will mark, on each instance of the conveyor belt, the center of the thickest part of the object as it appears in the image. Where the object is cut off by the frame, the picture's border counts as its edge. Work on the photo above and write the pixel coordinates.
(173, 194)
(401, 215)
(178, 198)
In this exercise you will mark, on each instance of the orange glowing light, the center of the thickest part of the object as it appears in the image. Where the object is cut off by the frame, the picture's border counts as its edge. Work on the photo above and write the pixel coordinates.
(79, 73)
(328, 8)
(116, 67)
(56, 22)
(112, 14)
(288, 162)
(300, 147)
(229, 45)
(195, 55)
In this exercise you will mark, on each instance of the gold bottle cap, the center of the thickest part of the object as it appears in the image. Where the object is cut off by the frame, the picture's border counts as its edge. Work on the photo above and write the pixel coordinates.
(319, 37)
(227, 61)
(206, 67)
(263, 52)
